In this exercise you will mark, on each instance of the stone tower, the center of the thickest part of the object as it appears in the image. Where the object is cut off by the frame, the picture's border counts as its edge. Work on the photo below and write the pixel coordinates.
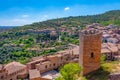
(90, 50)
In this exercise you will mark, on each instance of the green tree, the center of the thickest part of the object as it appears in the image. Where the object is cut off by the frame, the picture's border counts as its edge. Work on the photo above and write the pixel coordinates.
(103, 58)
(70, 71)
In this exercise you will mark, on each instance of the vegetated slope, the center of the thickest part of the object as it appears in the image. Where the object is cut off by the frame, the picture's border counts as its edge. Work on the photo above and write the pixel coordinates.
(17, 43)
(110, 17)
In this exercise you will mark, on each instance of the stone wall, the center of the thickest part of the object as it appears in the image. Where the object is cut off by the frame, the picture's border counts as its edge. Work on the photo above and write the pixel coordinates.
(90, 51)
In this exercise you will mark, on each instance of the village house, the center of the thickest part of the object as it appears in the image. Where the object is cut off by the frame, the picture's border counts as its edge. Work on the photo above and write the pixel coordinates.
(112, 40)
(43, 31)
(111, 51)
(13, 71)
(53, 62)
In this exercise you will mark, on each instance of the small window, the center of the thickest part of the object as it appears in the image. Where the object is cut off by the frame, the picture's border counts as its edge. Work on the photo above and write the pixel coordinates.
(2, 77)
(66, 59)
(46, 66)
(92, 55)
(54, 64)
(50, 65)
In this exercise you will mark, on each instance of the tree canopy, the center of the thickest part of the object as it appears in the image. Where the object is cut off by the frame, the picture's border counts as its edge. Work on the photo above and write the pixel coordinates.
(71, 71)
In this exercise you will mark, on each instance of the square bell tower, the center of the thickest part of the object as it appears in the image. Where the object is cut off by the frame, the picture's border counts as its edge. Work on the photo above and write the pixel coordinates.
(90, 50)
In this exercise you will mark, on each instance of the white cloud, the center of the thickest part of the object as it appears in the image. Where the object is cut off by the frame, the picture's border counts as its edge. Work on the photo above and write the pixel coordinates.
(67, 8)
(19, 20)
(44, 17)
(25, 16)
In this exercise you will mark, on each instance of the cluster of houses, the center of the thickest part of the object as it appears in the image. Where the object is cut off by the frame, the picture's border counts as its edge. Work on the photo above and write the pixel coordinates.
(46, 67)
(110, 38)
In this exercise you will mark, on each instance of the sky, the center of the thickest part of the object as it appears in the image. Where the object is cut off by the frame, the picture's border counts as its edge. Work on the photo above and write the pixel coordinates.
(22, 12)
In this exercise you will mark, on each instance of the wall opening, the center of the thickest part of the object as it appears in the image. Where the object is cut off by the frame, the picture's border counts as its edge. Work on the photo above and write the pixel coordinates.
(92, 55)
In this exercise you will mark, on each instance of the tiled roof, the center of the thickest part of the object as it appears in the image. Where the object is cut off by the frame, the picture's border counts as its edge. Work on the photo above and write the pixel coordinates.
(14, 67)
(58, 54)
(34, 74)
(108, 47)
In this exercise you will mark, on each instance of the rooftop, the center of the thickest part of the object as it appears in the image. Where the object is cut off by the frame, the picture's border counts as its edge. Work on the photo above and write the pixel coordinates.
(108, 47)
(50, 74)
(14, 67)
(34, 74)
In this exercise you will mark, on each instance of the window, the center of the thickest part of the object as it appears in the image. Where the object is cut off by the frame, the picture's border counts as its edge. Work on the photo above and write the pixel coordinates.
(50, 65)
(92, 55)
(66, 59)
(54, 64)
(2, 77)
(46, 66)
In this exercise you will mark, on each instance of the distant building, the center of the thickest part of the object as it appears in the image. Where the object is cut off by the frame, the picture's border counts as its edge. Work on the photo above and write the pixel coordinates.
(111, 26)
(111, 51)
(43, 31)
(112, 40)
(105, 37)
(13, 71)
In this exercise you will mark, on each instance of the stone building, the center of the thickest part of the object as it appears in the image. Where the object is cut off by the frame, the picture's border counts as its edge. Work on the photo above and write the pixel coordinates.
(90, 50)
(111, 51)
(13, 71)
(53, 62)
(3, 73)
(34, 74)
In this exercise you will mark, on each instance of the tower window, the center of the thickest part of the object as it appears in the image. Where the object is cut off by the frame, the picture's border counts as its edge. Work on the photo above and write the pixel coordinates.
(2, 77)
(46, 66)
(92, 55)
(54, 64)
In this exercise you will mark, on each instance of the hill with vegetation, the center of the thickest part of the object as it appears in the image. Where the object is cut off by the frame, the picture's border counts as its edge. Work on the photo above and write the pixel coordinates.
(21, 44)
(110, 17)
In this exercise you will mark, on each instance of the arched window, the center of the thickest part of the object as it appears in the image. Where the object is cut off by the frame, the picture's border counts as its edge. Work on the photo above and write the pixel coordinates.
(92, 55)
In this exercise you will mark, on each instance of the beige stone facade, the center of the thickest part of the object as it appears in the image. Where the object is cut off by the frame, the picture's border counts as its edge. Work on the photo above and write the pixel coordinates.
(51, 62)
(90, 50)
(2, 73)
(111, 51)
(13, 71)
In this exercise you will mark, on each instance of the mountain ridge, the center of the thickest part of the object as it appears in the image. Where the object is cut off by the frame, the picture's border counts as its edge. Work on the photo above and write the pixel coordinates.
(109, 17)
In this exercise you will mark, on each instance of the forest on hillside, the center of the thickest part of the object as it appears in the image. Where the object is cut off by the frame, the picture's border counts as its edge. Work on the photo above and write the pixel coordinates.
(110, 17)
(21, 45)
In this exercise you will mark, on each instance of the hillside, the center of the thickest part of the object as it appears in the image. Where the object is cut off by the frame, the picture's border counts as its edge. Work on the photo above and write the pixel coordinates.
(42, 38)
(110, 17)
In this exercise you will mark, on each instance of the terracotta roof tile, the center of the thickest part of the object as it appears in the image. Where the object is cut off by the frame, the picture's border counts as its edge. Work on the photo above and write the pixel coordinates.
(14, 67)
(34, 74)
(109, 47)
